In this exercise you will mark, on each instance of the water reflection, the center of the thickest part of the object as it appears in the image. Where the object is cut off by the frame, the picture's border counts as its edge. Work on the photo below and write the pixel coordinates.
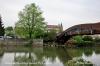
(46, 56)
(78, 62)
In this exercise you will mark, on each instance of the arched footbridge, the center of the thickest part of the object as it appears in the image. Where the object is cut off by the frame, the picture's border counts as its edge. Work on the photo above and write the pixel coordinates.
(81, 29)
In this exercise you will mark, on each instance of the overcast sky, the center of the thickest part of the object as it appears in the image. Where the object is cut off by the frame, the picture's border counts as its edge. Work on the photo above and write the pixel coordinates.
(67, 12)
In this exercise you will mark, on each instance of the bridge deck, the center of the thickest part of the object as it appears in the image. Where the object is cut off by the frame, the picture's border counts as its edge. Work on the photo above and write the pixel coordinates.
(81, 29)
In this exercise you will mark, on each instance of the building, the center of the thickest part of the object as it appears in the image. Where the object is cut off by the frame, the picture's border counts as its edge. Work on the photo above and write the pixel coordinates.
(58, 28)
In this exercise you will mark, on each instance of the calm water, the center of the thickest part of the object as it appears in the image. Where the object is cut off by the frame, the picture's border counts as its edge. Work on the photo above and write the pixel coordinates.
(46, 56)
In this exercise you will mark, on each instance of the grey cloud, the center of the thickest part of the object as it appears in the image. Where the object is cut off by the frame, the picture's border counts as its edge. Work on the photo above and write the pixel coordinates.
(69, 12)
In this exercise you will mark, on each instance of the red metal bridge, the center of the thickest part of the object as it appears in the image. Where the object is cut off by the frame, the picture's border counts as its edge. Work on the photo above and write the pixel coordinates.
(81, 29)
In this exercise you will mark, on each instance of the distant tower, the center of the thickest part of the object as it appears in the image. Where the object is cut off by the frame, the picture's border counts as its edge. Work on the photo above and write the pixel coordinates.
(60, 27)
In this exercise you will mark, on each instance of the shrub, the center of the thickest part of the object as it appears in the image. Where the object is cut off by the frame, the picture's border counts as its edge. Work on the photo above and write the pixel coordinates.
(97, 39)
(87, 38)
(78, 39)
(88, 41)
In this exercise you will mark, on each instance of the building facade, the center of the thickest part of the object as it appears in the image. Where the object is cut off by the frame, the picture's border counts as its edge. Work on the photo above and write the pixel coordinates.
(58, 28)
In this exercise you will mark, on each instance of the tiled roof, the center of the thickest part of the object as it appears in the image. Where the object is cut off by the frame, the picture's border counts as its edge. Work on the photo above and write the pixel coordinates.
(52, 26)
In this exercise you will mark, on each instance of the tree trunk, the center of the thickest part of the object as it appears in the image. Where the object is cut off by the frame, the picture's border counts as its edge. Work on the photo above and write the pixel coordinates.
(30, 35)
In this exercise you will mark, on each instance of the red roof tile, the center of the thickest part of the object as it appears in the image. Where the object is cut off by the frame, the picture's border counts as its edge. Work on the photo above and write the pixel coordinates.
(52, 26)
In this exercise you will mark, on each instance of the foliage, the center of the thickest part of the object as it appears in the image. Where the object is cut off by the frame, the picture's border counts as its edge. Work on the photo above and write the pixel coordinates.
(97, 39)
(2, 31)
(10, 28)
(78, 39)
(31, 23)
(75, 52)
(87, 38)
(9, 31)
(83, 43)
(1, 50)
(50, 36)
(88, 52)
(78, 62)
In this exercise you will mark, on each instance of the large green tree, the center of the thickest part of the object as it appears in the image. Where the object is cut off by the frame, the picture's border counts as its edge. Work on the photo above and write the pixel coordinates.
(2, 31)
(30, 23)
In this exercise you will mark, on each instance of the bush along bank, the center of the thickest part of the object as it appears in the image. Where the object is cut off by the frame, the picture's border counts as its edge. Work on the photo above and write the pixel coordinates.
(81, 41)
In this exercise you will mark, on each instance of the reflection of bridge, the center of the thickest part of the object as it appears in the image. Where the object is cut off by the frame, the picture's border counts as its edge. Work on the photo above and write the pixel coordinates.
(81, 29)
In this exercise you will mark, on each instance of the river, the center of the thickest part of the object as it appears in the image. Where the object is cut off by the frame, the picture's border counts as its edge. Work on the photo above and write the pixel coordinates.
(46, 56)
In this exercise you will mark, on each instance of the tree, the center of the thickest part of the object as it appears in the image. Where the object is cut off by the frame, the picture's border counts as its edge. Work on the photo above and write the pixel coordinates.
(9, 28)
(9, 31)
(50, 35)
(2, 31)
(30, 23)
(87, 38)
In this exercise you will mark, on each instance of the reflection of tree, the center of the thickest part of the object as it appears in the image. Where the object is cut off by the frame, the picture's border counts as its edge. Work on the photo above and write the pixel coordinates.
(1, 51)
(73, 52)
(88, 51)
(40, 55)
(29, 58)
(63, 54)
(97, 50)
(50, 53)
(53, 52)
(77, 52)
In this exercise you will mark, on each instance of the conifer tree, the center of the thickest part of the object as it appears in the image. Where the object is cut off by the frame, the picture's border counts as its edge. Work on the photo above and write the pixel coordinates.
(2, 31)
